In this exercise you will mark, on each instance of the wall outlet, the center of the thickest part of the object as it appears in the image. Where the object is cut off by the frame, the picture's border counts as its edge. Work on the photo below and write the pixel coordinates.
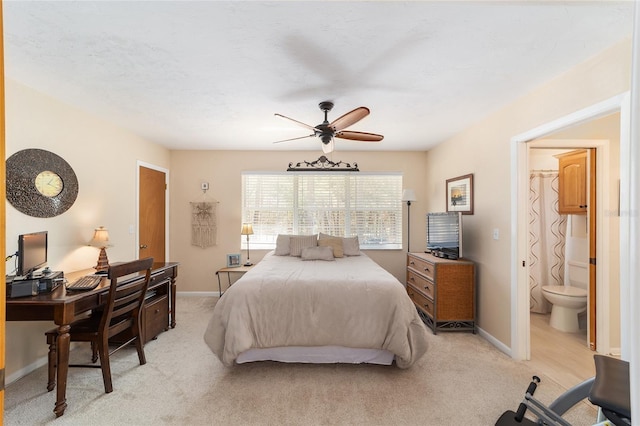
(204, 186)
(496, 234)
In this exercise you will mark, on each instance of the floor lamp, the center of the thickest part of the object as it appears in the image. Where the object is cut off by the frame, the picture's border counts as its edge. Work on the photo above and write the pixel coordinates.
(408, 195)
(247, 229)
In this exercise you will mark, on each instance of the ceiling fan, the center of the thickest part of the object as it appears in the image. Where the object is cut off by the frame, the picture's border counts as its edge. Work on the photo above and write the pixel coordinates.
(328, 131)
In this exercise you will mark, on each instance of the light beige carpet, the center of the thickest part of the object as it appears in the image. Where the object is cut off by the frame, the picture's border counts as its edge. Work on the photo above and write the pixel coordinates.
(462, 380)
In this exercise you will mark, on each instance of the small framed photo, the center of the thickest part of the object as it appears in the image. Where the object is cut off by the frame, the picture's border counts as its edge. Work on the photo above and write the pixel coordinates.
(459, 192)
(233, 260)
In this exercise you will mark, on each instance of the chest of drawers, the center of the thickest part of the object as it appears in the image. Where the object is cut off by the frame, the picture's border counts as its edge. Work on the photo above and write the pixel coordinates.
(443, 290)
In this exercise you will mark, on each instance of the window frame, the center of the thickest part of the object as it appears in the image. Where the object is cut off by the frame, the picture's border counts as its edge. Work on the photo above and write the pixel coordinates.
(393, 210)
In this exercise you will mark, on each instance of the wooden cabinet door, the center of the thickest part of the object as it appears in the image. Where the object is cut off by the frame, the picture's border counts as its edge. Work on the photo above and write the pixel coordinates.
(572, 185)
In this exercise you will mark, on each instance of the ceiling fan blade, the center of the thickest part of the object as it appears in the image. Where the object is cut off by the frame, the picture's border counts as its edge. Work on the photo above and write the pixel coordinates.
(295, 121)
(359, 136)
(328, 148)
(349, 118)
(295, 139)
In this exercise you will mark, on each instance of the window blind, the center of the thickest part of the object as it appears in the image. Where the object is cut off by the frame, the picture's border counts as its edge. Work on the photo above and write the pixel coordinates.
(343, 204)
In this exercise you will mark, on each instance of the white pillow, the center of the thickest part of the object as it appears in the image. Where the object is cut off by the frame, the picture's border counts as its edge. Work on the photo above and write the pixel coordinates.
(282, 245)
(317, 253)
(298, 242)
(351, 246)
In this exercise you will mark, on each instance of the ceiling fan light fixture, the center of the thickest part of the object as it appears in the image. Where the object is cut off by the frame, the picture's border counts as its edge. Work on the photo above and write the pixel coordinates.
(326, 131)
(328, 148)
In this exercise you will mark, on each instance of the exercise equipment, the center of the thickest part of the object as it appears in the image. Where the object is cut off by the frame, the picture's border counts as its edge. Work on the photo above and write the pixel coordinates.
(608, 389)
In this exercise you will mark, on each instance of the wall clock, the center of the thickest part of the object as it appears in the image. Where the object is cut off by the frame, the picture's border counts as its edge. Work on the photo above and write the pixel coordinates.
(40, 183)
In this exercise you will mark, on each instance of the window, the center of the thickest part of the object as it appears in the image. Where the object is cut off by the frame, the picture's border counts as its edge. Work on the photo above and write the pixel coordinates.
(343, 204)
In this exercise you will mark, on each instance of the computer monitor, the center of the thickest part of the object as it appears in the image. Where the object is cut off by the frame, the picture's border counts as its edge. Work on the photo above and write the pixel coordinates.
(32, 252)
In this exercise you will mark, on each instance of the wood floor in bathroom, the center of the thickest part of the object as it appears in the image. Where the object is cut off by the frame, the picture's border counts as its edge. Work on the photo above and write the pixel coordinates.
(563, 357)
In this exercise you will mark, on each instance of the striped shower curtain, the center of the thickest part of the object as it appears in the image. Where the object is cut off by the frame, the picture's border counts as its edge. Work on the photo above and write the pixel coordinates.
(547, 234)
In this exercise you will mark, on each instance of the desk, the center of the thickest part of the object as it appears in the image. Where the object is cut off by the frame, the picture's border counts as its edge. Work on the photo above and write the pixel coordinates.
(237, 269)
(64, 308)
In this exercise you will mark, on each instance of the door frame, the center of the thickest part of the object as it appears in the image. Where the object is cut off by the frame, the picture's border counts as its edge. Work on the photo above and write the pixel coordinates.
(602, 233)
(140, 164)
(520, 325)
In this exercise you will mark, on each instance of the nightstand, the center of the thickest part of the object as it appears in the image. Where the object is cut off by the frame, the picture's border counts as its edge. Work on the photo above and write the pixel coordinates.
(233, 270)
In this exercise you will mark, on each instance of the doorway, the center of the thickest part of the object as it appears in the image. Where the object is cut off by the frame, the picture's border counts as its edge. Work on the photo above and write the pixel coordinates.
(152, 212)
(560, 243)
(520, 332)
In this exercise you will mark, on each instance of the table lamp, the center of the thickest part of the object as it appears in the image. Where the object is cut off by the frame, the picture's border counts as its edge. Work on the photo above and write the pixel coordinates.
(247, 229)
(101, 239)
(408, 195)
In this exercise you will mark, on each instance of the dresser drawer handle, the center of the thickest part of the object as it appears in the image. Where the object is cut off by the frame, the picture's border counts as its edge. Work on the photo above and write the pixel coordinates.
(411, 262)
(427, 289)
(412, 278)
(427, 269)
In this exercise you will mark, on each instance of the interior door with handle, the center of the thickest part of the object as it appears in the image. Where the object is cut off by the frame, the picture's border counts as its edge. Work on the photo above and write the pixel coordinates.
(152, 213)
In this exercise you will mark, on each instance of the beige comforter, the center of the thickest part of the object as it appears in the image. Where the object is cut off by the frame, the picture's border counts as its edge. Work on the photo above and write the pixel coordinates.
(285, 301)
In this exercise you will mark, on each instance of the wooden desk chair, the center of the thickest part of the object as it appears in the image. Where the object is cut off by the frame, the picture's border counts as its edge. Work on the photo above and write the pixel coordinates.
(120, 316)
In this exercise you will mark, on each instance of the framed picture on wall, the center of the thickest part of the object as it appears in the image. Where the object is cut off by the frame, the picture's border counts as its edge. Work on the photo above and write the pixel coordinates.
(233, 260)
(459, 191)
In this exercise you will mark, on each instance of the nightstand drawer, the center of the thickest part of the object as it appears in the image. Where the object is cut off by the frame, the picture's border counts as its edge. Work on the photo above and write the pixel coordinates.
(423, 285)
(427, 269)
(422, 302)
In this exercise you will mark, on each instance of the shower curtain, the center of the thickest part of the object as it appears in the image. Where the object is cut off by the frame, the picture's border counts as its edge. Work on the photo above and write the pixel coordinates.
(547, 234)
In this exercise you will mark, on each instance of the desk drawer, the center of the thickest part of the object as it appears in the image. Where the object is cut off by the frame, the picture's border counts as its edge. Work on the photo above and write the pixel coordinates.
(159, 278)
(423, 303)
(424, 267)
(155, 317)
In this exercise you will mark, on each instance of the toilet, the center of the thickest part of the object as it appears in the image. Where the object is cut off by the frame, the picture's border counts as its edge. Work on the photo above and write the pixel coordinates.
(568, 300)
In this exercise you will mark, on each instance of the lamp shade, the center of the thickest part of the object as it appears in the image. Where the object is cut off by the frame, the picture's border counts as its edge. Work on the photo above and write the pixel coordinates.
(100, 237)
(408, 195)
(247, 229)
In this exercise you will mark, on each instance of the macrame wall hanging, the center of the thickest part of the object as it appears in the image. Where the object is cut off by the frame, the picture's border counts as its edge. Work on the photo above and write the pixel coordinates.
(204, 229)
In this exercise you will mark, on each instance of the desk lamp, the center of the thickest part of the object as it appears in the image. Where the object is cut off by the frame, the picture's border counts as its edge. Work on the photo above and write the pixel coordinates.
(247, 229)
(408, 195)
(101, 239)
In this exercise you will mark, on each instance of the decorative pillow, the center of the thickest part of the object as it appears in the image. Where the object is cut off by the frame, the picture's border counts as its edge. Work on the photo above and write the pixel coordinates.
(282, 245)
(317, 253)
(351, 246)
(298, 242)
(335, 243)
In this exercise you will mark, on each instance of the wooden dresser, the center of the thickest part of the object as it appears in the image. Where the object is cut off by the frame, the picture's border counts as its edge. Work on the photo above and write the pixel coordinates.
(443, 290)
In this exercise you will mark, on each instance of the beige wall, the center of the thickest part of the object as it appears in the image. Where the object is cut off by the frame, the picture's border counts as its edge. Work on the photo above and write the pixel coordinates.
(222, 169)
(104, 160)
(484, 149)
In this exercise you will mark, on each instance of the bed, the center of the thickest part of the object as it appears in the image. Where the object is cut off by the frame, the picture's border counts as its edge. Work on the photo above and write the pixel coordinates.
(345, 309)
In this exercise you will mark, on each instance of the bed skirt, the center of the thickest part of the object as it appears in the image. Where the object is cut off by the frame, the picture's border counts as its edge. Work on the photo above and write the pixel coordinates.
(318, 355)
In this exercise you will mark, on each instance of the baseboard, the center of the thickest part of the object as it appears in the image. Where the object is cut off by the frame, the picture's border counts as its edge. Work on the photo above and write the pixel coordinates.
(198, 293)
(495, 342)
(26, 370)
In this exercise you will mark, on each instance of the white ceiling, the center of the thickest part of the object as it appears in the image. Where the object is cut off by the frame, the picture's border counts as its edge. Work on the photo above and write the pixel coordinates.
(211, 74)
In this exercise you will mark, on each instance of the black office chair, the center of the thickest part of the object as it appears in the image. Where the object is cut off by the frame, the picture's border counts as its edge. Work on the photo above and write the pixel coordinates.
(120, 317)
